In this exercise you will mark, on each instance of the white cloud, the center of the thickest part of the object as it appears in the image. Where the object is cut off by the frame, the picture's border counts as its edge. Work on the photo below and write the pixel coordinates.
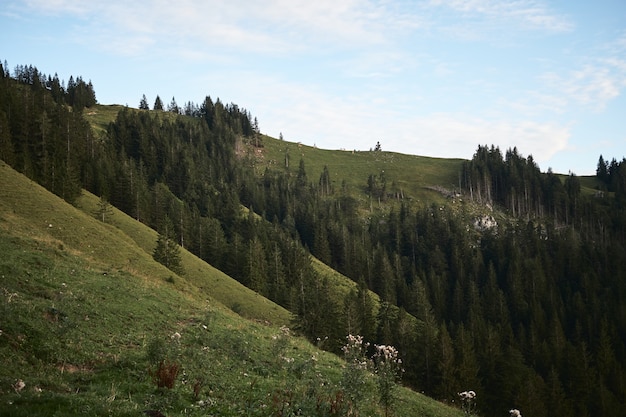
(585, 83)
(58, 7)
(594, 84)
(507, 14)
(454, 135)
(280, 26)
(359, 121)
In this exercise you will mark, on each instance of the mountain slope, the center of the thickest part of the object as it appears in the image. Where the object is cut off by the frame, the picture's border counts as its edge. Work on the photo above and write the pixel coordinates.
(515, 276)
(126, 245)
(87, 316)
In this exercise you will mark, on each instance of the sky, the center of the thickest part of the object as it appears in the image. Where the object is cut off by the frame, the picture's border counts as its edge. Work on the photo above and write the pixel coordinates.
(432, 77)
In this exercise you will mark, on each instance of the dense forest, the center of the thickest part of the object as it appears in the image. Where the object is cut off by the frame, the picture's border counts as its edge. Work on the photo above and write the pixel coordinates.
(527, 310)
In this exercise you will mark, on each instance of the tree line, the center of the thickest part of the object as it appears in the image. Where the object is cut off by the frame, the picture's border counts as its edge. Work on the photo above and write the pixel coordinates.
(42, 131)
(526, 313)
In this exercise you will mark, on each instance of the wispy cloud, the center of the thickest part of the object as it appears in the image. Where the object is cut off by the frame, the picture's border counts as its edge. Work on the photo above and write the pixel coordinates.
(596, 81)
(505, 14)
(591, 86)
(359, 121)
(458, 135)
(281, 26)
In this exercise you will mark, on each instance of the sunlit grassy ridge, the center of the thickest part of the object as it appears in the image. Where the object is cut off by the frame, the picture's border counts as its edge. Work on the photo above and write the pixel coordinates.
(86, 315)
(101, 115)
(409, 174)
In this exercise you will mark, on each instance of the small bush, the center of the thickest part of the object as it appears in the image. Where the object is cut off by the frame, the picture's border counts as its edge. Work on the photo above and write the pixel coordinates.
(157, 350)
(165, 374)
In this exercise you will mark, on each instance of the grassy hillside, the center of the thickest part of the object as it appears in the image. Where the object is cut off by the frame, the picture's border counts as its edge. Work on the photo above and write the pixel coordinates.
(86, 317)
(99, 116)
(202, 277)
(412, 175)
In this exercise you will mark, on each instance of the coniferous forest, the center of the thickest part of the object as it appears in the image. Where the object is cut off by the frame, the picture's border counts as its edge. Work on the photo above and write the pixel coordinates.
(527, 310)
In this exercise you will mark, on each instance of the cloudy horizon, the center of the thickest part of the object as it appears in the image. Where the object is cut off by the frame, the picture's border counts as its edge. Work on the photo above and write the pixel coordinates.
(434, 78)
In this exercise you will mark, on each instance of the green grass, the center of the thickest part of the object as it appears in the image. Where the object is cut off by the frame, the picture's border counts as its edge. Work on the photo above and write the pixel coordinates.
(589, 185)
(413, 175)
(99, 116)
(86, 315)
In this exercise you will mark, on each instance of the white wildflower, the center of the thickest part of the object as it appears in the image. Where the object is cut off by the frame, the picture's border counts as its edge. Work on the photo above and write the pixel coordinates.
(176, 336)
(467, 395)
(19, 385)
(468, 403)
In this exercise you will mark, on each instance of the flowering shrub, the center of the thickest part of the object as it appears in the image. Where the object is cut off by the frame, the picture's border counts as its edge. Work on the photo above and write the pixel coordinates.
(355, 371)
(468, 401)
(388, 369)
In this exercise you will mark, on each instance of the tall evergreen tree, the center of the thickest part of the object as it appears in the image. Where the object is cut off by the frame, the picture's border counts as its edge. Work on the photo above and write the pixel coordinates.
(167, 251)
(158, 104)
(143, 104)
(173, 107)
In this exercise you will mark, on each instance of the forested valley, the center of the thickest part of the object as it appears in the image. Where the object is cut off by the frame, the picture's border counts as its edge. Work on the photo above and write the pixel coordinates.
(525, 306)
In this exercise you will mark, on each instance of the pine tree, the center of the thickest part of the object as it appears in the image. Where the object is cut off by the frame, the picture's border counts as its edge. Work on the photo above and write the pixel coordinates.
(173, 107)
(602, 170)
(256, 267)
(446, 365)
(158, 104)
(71, 91)
(167, 251)
(104, 209)
(301, 179)
(143, 104)
(7, 153)
(366, 315)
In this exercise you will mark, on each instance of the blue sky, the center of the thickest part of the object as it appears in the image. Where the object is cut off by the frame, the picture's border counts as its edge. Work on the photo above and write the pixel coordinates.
(432, 77)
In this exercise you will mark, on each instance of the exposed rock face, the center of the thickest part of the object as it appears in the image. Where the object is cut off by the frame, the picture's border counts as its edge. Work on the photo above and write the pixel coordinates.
(484, 223)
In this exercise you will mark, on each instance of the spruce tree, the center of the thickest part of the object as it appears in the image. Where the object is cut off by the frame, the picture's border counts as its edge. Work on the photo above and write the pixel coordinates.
(167, 251)
(158, 104)
(104, 209)
(143, 104)
(173, 106)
